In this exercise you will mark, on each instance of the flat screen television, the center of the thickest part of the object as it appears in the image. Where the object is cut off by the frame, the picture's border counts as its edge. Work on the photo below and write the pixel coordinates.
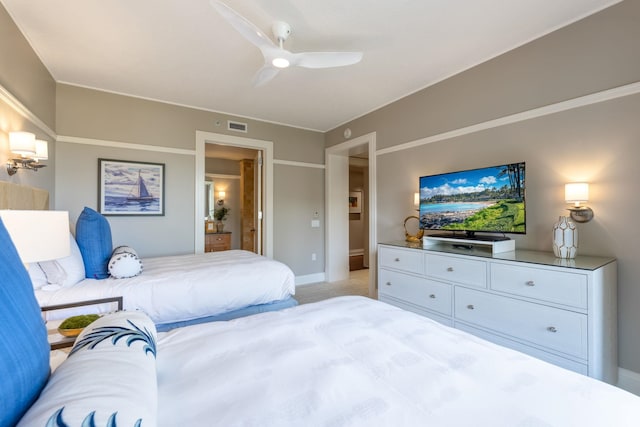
(486, 200)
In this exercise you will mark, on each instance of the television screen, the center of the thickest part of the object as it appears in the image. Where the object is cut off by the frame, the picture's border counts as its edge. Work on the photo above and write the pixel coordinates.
(489, 199)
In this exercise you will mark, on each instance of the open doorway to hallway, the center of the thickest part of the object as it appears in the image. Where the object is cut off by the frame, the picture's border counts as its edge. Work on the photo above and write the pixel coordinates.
(265, 211)
(233, 187)
(358, 212)
(337, 192)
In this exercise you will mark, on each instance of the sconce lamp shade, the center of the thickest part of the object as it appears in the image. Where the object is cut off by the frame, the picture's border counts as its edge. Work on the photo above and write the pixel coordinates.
(42, 150)
(221, 194)
(22, 143)
(576, 192)
(38, 235)
(416, 199)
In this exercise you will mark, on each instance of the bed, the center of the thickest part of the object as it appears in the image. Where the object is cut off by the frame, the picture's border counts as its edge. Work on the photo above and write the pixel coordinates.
(174, 290)
(347, 361)
(185, 289)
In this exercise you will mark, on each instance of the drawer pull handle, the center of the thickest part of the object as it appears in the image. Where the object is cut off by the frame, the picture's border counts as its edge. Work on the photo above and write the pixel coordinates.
(552, 329)
(397, 260)
(530, 283)
(471, 307)
(432, 296)
(449, 268)
(388, 283)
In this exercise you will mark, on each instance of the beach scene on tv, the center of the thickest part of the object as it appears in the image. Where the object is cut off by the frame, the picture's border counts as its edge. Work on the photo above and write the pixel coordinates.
(489, 199)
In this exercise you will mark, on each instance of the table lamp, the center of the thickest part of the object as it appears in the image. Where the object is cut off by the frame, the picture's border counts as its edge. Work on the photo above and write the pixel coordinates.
(38, 235)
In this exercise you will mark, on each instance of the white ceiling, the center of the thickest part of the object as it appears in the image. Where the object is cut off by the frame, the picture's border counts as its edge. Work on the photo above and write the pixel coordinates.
(183, 52)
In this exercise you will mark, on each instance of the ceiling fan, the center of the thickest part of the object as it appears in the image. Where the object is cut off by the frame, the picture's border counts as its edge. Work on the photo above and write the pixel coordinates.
(275, 56)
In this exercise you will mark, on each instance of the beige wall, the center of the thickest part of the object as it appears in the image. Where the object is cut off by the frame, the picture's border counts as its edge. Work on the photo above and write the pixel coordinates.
(299, 195)
(86, 113)
(599, 143)
(23, 74)
(28, 83)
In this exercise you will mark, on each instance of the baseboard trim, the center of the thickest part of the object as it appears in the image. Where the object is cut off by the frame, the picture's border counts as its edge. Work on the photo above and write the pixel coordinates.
(629, 381)
(356, 252)
(310, 278)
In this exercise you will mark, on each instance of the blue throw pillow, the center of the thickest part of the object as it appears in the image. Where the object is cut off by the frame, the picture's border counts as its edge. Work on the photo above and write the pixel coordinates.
(93, 235)
(24, 349)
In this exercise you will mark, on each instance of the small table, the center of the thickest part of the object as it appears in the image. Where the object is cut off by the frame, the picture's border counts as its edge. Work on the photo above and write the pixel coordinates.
(58, 341)
(214, 242)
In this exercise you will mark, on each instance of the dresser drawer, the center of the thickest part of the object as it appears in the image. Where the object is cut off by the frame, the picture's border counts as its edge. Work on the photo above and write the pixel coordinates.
(411, 261)
(546, 285)
(215, 242)
(556, 329)
(460, 270)
(427, 293)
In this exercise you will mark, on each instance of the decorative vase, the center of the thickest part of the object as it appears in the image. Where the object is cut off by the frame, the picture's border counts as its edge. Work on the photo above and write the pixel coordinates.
(219, 226)
(565, 238)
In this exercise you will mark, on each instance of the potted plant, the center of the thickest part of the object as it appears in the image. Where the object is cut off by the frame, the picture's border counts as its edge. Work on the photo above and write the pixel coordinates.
(220, 214)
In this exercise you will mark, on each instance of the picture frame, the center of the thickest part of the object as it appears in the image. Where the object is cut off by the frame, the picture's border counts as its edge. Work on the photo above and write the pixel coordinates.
(355, 202)
(130, 188)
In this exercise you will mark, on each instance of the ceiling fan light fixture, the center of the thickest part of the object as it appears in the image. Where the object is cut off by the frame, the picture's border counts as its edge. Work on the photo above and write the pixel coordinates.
(280, 62)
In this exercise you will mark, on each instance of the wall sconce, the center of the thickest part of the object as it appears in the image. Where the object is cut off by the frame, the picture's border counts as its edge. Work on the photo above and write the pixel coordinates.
(576, 193)
(30, 149)
(221, 195)
(416, 201)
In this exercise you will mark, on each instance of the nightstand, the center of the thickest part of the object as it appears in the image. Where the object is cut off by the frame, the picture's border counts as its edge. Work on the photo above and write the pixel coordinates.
(58, 341)
(214, 242)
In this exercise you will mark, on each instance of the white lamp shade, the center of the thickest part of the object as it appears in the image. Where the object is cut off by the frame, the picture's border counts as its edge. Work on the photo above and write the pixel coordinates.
(576, 192)
(221, 194)
(42, 150)
(38, 235)
(22, 143)
(416, 199)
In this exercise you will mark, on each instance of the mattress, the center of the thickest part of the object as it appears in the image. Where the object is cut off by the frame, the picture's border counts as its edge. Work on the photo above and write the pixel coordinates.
(353, 361)
(185, 287)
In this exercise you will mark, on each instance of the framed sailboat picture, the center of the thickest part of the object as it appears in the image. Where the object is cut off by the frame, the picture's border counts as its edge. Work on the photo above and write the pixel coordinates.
(130, 188)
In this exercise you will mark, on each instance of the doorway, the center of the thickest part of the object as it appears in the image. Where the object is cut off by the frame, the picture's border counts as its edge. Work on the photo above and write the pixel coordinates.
(337, 195)
(358, 213)
(263, 208)
(233, 178)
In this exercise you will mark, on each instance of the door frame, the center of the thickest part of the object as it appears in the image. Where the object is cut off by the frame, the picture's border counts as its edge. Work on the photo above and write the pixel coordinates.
(337, 211)
(203, 137)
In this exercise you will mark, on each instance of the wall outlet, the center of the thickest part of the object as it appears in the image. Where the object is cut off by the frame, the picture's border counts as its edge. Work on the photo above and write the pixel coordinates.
(313, 257)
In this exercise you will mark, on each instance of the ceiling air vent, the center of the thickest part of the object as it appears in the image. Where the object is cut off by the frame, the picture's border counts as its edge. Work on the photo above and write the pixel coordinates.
(237, 126)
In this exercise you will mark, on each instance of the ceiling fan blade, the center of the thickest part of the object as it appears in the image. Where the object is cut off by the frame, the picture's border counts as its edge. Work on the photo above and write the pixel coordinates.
(264, 74)
(325, 59)
(245, 27)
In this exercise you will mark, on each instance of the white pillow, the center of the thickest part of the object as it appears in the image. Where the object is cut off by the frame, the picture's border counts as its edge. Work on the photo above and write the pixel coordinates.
(73, 264)
(108, 379)
(124, 263)
(65, 271)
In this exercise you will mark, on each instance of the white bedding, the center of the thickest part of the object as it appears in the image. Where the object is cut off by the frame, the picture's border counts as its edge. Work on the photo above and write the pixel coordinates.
(352, 361)
(184, 287)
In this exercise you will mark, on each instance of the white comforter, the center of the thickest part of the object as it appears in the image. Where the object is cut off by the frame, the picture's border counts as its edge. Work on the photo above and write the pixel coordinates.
(185, 287)
(352, 361)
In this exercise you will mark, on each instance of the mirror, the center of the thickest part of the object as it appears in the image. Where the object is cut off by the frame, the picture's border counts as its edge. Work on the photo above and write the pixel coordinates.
(209, 199)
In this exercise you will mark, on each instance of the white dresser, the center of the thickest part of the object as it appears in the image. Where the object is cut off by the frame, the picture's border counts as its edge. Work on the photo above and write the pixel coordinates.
(561, 311)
